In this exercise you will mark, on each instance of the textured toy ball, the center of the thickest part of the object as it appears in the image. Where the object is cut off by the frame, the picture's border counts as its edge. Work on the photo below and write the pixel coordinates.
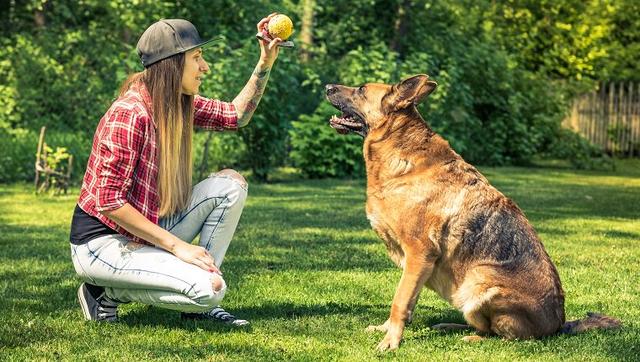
(280, 26)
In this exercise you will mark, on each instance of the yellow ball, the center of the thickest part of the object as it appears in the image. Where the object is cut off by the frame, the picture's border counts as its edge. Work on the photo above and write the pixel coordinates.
(280, 26)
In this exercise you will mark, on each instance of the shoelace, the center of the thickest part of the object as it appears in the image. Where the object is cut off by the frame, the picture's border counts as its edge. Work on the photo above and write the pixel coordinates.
(107, 308)
(221, 314)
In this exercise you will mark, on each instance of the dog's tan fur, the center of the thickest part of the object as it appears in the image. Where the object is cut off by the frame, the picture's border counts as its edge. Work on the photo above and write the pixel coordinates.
(444, 224)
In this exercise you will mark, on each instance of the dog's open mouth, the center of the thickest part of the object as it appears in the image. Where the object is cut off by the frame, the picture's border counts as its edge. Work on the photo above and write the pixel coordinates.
(348, 122)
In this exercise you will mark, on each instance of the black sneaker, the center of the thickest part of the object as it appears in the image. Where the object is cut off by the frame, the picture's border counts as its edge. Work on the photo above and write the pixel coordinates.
(218, 314)
(95, 304)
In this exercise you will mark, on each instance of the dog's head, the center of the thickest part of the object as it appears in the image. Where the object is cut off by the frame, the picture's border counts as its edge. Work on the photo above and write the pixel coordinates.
(369, 106)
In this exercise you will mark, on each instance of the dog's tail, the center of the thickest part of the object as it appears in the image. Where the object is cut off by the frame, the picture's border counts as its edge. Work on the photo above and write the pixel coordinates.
(593, 321)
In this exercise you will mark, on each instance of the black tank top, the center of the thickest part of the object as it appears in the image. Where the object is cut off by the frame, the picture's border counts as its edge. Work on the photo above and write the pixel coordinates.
(85, 227)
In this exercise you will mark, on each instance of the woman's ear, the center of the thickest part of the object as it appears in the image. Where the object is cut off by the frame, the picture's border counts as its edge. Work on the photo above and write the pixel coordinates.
(413, 90)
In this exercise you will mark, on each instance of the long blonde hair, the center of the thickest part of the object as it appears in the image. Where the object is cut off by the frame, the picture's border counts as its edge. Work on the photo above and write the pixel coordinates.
(173, 115)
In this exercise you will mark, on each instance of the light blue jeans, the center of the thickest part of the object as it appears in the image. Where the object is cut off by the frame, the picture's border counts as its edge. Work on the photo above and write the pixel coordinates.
(133, 272)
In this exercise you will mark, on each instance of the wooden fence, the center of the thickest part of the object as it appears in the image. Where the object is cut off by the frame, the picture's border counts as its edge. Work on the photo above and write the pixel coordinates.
(609, 117)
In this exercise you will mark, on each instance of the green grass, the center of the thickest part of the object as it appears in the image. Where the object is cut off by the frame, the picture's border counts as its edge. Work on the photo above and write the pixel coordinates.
(310, 274)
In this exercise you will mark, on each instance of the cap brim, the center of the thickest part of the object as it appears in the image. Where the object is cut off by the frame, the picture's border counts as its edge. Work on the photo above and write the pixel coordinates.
(205, 43)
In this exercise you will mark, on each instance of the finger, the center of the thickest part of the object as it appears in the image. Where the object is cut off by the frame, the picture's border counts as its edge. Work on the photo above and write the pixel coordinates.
(211, 267)
(201, 264)
(208, 260)
(263, 23)
(274, 43)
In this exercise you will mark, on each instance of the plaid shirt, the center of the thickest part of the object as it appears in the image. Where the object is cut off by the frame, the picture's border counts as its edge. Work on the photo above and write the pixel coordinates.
(123, 167)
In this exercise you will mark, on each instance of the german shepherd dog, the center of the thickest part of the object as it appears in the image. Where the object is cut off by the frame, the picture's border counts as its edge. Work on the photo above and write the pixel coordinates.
(446, 226)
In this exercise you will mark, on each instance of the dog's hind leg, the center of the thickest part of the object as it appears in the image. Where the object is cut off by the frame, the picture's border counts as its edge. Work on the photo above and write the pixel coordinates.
(512, 326)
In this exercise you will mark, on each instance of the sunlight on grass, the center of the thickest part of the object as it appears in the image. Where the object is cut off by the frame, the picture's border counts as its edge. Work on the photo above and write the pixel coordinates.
(310, 274)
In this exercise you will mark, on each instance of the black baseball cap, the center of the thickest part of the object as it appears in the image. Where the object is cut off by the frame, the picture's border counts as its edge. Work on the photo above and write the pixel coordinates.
(168, 37)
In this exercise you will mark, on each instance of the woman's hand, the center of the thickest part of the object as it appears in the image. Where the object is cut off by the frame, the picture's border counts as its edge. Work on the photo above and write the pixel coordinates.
(268, 50)
(196, 255)
(134, 222)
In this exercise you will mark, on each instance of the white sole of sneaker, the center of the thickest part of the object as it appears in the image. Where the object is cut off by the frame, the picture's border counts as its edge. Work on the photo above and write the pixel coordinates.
(83, 304)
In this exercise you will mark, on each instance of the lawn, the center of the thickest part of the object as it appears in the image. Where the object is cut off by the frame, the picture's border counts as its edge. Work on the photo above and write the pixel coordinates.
(308, 272)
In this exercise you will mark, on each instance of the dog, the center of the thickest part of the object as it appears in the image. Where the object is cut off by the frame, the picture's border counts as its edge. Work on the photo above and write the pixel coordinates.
(445, 225)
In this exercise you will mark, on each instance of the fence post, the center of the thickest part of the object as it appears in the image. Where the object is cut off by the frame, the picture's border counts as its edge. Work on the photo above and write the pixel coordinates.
(37, 168)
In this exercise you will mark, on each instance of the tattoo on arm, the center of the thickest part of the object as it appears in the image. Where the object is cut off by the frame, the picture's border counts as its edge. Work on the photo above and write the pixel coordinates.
(247, 101)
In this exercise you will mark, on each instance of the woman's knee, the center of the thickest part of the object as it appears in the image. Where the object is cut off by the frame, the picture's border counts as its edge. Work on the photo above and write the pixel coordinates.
(212, 292)
(234, 175)
(236, 185)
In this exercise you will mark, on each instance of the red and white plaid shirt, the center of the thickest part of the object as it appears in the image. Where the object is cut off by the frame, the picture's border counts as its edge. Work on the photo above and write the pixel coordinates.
(123, 167)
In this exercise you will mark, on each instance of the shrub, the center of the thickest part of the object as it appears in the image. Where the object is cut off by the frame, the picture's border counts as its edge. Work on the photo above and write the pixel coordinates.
(226, 150)
(319, 151)
(17, 160)
(578, 151)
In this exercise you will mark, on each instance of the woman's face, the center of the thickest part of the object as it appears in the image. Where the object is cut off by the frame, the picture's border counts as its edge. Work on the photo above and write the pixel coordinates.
(194, 67)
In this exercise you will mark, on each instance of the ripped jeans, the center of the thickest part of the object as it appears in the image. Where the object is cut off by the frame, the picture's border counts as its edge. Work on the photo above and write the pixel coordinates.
(133, 272)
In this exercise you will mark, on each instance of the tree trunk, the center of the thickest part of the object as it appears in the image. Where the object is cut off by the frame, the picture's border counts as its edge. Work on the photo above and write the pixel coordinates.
(39, 15)
(306, 31)
(204, 165)
(400, 27)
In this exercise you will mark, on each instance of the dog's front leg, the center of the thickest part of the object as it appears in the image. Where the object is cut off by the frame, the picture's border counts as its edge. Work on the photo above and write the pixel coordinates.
(416, 272)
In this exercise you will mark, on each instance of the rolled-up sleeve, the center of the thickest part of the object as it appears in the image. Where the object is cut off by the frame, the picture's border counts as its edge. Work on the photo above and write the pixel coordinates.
(118, 149)
(213, 114)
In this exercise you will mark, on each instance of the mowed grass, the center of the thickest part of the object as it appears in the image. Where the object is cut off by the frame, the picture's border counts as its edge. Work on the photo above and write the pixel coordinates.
(310, 274)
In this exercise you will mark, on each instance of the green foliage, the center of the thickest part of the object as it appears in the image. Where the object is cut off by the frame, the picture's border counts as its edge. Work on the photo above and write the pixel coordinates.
(623, 43)
(562, 39)
(55, 158)
(319, 151)
(226, 150)
(266, 135)
(506, 69)
(578, 151)
(17, 160)
(316, 148)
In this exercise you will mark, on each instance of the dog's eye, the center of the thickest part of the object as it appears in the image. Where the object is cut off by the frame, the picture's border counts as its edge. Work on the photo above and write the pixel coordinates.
(361, 90)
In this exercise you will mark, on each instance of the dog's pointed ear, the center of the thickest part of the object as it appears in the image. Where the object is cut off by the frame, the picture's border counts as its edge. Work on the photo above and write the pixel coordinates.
(413, 90)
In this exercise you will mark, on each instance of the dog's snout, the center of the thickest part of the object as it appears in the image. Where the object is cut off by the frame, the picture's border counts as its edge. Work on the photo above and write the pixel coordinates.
(331, 89)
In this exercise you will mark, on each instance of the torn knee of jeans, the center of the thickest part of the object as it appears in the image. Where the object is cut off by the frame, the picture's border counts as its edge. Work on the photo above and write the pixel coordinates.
(217, 283)
(234, 175)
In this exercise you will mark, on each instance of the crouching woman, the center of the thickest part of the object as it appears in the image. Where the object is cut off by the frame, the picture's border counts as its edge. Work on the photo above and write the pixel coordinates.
(138, 213)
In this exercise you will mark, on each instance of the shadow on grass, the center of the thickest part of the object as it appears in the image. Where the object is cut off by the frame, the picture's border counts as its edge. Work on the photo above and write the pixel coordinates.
(621, 344)
(150, 316)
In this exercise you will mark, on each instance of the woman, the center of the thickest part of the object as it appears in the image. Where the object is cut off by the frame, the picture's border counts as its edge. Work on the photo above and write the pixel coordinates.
(138, 213)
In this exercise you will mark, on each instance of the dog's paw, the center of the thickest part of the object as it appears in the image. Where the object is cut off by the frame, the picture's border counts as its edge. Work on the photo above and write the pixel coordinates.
(381, 328)
(389, 343)
(472, 338)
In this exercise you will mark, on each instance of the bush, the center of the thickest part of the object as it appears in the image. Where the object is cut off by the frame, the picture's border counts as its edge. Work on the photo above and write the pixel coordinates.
(316, 148)
(321, 152)
(19, 147)
(582, 154)
(226, 150)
